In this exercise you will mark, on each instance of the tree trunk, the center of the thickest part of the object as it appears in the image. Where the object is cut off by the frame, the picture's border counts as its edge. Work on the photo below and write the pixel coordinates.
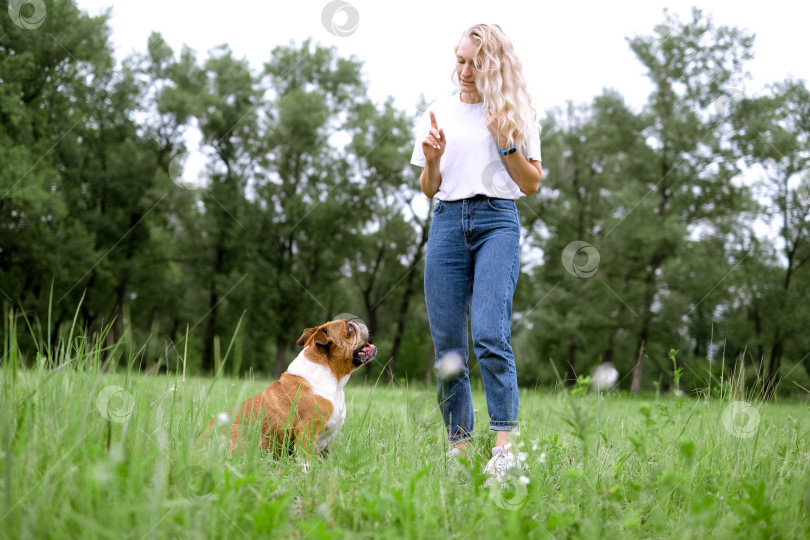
(635, 388)
(371, 306)
(607, 356)
(772, 379)
(649, 295)
(210, 329)
(281, 350)
(429, 365)
(213, 300)
(115, 321)
(406, 300)
(372, 326)
(758, 331)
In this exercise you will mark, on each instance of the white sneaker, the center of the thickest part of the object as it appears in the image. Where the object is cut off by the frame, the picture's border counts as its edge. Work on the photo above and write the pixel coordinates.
(502, 463)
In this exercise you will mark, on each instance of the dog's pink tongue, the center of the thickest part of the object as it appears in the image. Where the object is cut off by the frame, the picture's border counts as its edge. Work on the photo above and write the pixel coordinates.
(369, 349)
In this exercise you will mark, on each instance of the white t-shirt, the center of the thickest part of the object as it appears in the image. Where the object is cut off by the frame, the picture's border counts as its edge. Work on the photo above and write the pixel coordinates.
(471, 164)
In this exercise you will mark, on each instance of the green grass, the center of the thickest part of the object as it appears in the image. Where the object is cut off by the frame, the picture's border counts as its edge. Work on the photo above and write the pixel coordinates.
(601, 466)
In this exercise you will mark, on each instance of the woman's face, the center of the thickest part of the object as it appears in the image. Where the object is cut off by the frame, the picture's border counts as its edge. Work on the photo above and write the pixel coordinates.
(465, 70)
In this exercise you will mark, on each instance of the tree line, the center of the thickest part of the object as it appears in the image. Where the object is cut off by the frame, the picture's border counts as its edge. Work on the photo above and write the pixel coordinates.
(671, 237)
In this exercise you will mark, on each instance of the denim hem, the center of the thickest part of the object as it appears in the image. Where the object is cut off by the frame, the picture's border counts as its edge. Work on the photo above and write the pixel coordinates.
(503, 426)
(461, 439)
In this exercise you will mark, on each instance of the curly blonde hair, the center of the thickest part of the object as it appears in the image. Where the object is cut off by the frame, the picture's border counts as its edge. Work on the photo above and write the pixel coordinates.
(501, 83)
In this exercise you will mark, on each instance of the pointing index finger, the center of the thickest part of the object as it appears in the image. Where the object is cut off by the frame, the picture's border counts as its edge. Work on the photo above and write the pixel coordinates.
(433, 120)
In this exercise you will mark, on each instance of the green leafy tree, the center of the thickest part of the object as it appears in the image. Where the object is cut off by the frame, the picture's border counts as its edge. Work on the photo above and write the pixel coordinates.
(314, 205)
(387, 266)
(80, 201)
(226, 111)
(581, 304)
(43, 73)
(690, 65)
(772, 132)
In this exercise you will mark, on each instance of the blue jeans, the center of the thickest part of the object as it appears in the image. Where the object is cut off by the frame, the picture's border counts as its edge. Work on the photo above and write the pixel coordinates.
(471, 270)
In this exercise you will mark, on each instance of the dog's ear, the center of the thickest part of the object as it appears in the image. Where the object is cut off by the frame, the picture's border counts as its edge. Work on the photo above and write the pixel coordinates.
(305, 336)
(322, 340)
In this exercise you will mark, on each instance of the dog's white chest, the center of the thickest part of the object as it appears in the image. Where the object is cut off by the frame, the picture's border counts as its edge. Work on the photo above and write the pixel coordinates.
(335, 421)
(323, 383)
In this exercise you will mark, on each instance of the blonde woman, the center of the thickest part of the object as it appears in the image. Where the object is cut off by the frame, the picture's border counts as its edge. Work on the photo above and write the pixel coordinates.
(480, 151)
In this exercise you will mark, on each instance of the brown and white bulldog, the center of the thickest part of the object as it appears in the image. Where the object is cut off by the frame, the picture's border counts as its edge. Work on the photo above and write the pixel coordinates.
(304, 409)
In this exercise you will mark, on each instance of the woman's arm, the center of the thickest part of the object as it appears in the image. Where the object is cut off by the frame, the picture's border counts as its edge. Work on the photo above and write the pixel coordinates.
(526, 173)
(431, 179)
(433, 147)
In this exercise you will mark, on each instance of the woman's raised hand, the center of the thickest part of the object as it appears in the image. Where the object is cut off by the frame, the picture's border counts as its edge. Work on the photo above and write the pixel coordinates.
(434, 143)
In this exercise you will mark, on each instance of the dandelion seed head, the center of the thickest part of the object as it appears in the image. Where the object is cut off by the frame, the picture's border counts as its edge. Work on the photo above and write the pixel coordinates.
(450, 365)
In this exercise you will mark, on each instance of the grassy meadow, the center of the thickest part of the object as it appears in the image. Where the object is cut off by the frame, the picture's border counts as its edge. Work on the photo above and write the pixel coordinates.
(92, 454)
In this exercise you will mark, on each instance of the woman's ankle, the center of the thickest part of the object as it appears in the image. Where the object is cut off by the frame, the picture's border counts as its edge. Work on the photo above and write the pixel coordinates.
(462, 447)
(504, 438)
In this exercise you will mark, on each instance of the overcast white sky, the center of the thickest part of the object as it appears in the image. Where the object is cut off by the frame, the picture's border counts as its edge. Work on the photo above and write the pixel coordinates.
(570, 50)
